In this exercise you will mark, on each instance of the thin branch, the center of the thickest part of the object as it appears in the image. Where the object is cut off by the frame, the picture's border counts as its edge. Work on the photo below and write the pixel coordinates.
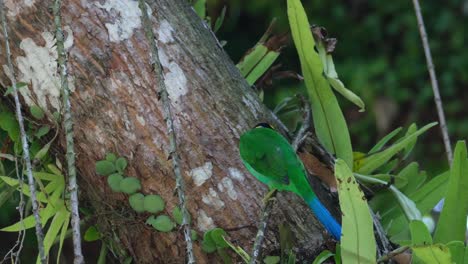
(68, 125)
(24, 141)
(167, 113)
(434, 83)
(268, 204)
(392, 254)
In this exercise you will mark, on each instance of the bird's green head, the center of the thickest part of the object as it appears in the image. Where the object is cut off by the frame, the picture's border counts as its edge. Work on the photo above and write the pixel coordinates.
(264, 125)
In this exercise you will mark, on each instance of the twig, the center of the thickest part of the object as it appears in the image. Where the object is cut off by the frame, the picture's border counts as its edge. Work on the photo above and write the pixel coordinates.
(68, 125)
(266, 209)
(167, 113)
(434, 83)
(392, 254)
(24, 141)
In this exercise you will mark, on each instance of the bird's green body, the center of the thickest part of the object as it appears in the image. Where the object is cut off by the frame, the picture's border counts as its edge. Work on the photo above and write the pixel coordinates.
(270, 158)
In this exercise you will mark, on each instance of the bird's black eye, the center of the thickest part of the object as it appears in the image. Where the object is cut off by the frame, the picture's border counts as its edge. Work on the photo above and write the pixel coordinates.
(265, 125)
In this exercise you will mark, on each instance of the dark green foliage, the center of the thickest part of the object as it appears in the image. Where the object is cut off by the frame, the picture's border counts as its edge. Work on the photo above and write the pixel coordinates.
(105, 167)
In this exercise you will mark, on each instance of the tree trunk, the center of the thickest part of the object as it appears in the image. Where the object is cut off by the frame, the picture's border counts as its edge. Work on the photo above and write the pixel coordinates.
(116, 109)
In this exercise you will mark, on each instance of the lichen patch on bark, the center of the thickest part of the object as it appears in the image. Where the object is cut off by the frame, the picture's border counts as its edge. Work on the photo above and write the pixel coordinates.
(16, 6)
(204, 222)
(212, 199)
(39, 68)
(201, 174)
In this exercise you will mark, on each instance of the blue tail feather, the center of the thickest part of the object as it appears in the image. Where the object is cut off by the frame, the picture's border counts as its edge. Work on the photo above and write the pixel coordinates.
(324, 216)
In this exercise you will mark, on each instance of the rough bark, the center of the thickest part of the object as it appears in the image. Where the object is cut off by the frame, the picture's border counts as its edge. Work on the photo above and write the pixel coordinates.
(116, 109)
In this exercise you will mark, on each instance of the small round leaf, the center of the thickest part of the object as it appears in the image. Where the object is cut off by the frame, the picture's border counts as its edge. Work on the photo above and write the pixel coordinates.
(178, 217)
(92, 234)
(105, 167)
(161, 223)
(136, 202)
(114, 181)
(121, 164)
(153, 203)
(130, 185)
(36, 112)
(111, 157)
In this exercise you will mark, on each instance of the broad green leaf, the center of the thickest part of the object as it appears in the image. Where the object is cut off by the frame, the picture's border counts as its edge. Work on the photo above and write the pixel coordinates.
(452, 221)
(357, 239)
(262, 66)
(436, 253)
(54, 228)
(111, 157)
(130, 185)
(105, 167)
(178, 217)
(419, 233)
(36, 112)
(9, 124)
(251, 59)
(161, 223)
(121, 164)
(457, 251)
(136, 202)
(92, 234)
(208, 245)
(48, 176)
(114, 181)
(384, 141)
(326, 254)
(414, 177)
(330, 125)
(425, 199)
(153, 203)
(42, 152)
(200, 8)
(374, 161)
(6, 193)
(42, 131)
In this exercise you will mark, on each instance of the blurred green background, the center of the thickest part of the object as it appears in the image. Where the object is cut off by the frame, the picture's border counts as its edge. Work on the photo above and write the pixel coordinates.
(379, 56)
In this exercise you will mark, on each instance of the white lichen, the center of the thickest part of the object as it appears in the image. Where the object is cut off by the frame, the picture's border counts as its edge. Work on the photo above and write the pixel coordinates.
(15, 7)
(39, 68)
(201, 174)
(127, 20)
(212, 199)
(236, 174)
(229, 186)
(174, 79)
(204, 222)
(165, 32)
(141, 120)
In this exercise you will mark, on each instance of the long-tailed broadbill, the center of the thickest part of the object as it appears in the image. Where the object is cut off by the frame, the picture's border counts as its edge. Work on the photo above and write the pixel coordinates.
(269, 157)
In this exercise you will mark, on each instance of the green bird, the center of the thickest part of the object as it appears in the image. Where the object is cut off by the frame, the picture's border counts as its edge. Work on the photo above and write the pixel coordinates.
(269, 157)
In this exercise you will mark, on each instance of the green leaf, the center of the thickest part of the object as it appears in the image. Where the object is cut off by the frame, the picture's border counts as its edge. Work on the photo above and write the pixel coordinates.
(286, 238)
(36, 112)
(63, 234)
(374, 161)
(219, 21)
(330, 125)
(457, 251)
(114, 181)
(92, 234)
(384, 140)
(217, 234)
(58, 221)
(178, 217)
(161, 223)
(208, 245)
(42, 152)
(200, 8)
(262, 66)
(9, 124)
(105, 167)
(136, 202)
(251, 59)
(436, 253)
(419, 233)
(332, 77)
(130, 185)
(42, 131)
(322, 257)
(153, 203)
(111, 157)
(18, 86)
(414, 178)
(357, 239)
(452, 221)
(193, 235)
(411, 129)
(121, 164)
(271, 260)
